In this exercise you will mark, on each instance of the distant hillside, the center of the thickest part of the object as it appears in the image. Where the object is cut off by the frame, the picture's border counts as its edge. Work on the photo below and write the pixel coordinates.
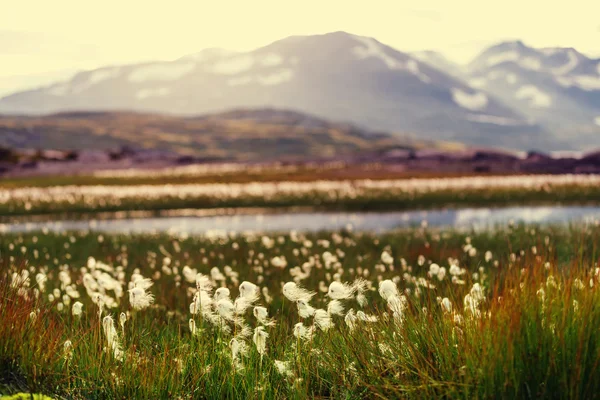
(242, 135)
(337, 76)
(558, 88)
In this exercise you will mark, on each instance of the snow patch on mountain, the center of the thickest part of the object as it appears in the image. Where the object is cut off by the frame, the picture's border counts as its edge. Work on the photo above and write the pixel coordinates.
(492, 119)
(157, 92)
(276, 78)
(564, 81)
(572, 62)
(271, 60)
(585, 82)
(413, 67)
(103, 74)
(549, 51)
(537, 98)
(233, 65)
(471, 101)
(496, 74)
(531, 63)
(502, 57)
(96, 77)
(478, 83)
(374, 49)
(60, 89)
(160, 72)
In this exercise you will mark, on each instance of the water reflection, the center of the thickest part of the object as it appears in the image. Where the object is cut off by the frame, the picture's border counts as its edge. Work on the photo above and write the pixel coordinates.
(476, 218)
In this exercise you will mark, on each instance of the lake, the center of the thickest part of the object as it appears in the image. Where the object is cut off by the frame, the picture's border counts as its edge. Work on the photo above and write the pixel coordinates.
(467, 218)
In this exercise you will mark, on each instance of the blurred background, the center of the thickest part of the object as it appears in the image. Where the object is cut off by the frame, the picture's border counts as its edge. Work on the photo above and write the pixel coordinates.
(196, 93)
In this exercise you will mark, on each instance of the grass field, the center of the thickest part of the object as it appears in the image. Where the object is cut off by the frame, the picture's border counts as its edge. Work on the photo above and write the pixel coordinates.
(509, 313)
(226, 173)
(339, 195)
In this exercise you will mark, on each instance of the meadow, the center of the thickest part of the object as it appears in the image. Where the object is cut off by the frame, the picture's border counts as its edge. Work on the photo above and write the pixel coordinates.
(512, 312)
(129, 194)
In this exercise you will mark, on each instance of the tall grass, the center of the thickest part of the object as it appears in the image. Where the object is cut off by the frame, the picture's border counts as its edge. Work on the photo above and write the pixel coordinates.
(351, 195)
(532, 334)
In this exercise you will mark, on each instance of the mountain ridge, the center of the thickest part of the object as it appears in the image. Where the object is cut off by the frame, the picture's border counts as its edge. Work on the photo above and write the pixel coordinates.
(337, 76)
(237, 135)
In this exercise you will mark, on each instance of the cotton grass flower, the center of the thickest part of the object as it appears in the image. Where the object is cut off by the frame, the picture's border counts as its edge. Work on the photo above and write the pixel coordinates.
(138, 281)
(122, 320)
(471, 305)
(238, 349)
(284, 368)
(388, 289)
(477, 292)
(241, 304)
(335, 307)
(68, 350)
(262, 316)
(226, 309)
(139, 298)
(488, 256)
(361, 286)
(433, 269)
(203, 283)
(216, 275)
(98, 299)
(267, 295)
(249, 291)
(301, 332)
(108, 325)
(293, 292)
(441, 274)
(260, 340)
(41, 280)
(77, 309)
(386, 258)
(446, 305)
(202, 303)
(339, 291)
(323, 320)
(192, 325)
(365, 317)
(397, 303)
(222, 293)
(350, 319)
(112, 337)
(304, 309)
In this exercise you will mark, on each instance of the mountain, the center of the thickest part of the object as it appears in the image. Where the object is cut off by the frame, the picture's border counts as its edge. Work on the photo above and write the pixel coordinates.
(337, 76)
(242, 135)
(437, 60)
(559, 88)
(17, 83)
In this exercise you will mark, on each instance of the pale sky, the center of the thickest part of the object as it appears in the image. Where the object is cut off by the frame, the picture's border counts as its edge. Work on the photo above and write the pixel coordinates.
(49, 37)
